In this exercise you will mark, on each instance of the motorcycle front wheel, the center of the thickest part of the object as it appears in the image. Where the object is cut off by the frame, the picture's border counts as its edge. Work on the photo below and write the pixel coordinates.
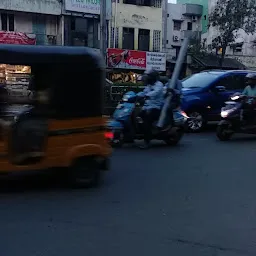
(223, 133)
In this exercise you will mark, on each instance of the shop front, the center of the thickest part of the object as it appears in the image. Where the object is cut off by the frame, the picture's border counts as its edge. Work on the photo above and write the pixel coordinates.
(125, 67)
(16, 78)
(128, 65)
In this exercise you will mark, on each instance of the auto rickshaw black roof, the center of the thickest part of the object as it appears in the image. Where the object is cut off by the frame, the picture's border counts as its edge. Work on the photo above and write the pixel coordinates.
(30, 54)
(75, 76)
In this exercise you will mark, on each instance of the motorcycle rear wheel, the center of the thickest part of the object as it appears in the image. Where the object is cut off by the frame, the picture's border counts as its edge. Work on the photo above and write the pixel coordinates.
(174, 138)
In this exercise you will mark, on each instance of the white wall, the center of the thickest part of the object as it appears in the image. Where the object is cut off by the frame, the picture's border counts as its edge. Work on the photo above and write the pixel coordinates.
(175, 13)
(135, 16)
(36, 6)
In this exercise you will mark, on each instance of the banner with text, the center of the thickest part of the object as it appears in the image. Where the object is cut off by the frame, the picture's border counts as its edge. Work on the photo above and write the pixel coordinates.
(131, 59)
(83, 6)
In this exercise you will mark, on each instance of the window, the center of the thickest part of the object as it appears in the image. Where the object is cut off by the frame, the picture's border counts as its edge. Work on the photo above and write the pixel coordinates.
(157, 40)
(176, 25)
(84, 32)
(239, 82)
(234, 82)
(141, 2)
(128, 38)
(199, 80)
(144, 39)
(167, 15)
(114, 36)
(189, 26)
(7, 21)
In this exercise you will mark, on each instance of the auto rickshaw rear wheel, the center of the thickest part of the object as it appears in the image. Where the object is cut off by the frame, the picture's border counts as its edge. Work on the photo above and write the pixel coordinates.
(85, 173)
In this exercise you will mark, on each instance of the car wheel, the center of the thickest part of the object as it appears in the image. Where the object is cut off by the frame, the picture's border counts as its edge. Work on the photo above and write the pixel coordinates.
(196, 121)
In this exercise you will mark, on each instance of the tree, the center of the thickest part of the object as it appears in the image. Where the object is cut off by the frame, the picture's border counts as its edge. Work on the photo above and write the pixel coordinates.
(196, 47)
(230, 16)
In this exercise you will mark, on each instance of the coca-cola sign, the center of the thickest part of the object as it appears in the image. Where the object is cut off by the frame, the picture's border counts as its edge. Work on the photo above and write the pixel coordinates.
(118, 58)
(131, 59)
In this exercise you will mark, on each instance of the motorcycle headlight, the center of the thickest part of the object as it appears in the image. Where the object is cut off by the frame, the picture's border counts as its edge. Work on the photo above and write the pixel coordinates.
(225, 112)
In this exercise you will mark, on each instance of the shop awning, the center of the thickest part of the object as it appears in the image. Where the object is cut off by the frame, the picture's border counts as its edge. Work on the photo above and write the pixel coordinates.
(212, 62)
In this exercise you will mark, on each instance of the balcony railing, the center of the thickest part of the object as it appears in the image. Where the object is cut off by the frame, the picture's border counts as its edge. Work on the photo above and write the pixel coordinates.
(191, 34)
(192, 10)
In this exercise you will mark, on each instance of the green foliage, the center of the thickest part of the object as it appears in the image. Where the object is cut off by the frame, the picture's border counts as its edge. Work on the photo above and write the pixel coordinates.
(196, 47)
(228, 17)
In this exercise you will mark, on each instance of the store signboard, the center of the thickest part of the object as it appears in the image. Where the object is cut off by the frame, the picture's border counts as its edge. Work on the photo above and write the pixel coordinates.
(131, 59)
(83, 6)
(7, 37)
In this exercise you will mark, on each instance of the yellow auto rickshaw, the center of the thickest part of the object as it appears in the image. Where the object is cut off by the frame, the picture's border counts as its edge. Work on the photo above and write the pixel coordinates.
(63, 125)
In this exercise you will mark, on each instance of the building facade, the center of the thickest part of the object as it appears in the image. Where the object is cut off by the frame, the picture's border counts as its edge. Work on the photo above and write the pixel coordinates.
(82, 22)
(136, 25)
(244, 47)
(204, 18)
(54, 22)
(183, 20)
(39, 19)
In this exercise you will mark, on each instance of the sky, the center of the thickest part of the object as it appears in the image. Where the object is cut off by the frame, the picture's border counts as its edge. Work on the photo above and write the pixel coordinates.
(172, 1)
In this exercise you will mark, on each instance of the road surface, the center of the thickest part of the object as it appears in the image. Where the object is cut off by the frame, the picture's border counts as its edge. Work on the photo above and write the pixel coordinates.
(196, 199)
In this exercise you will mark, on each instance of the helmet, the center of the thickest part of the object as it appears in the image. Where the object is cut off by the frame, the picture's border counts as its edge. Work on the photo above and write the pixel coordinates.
(251, 78)
(151, 76)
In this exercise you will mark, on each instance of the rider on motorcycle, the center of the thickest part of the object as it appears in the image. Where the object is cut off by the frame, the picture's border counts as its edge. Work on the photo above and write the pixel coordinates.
(250, 92)
(154, 101)
(250, 89)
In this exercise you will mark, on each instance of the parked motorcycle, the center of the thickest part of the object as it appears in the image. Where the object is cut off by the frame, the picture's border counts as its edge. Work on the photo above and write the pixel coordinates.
(127, 125)
(236, 117)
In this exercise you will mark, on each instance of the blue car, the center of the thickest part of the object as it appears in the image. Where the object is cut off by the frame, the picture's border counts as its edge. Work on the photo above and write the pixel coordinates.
(205, 93)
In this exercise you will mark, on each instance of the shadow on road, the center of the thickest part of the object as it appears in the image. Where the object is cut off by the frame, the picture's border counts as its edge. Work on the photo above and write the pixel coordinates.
(34, 182)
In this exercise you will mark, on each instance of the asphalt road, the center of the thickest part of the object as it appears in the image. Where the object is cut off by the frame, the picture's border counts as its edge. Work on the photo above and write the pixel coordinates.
(198, 198)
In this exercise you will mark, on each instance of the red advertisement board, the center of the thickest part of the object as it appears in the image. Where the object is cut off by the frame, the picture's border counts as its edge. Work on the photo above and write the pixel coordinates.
(130, 59)
(7, 37)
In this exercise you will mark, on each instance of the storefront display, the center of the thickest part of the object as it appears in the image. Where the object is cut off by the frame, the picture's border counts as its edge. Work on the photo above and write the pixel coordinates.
(16, 79)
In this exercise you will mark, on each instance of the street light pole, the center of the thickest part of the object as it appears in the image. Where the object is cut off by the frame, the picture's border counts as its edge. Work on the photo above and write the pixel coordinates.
(173, 80)
(103, 28)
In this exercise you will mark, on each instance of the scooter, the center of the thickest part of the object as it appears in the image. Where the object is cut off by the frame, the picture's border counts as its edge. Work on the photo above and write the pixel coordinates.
(235, 118)
(127, 125)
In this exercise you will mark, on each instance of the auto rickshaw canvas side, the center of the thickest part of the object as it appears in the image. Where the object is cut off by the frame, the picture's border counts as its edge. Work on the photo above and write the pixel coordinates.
(64, 126)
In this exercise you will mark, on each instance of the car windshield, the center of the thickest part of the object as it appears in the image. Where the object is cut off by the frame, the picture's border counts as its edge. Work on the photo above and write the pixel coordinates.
(199, 80)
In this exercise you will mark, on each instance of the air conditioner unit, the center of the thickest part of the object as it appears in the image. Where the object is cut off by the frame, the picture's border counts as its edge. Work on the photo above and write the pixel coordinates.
(194, 18)
(176, 38)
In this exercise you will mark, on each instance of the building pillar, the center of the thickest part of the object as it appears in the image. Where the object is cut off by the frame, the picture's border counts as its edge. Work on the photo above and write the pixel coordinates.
(151, 40)
(136, 38)
(120, 37)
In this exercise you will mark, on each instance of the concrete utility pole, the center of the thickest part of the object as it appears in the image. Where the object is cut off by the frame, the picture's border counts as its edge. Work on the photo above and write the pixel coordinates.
(103, 28)
(173, 80)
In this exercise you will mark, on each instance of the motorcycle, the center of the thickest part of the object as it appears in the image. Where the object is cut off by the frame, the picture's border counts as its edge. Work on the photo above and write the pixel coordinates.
(127, 125)
(235, 118)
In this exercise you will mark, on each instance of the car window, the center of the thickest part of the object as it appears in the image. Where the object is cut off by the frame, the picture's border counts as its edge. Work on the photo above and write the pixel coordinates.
(225, 81)
(199, 80)
(233, 82)
(239, 81)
